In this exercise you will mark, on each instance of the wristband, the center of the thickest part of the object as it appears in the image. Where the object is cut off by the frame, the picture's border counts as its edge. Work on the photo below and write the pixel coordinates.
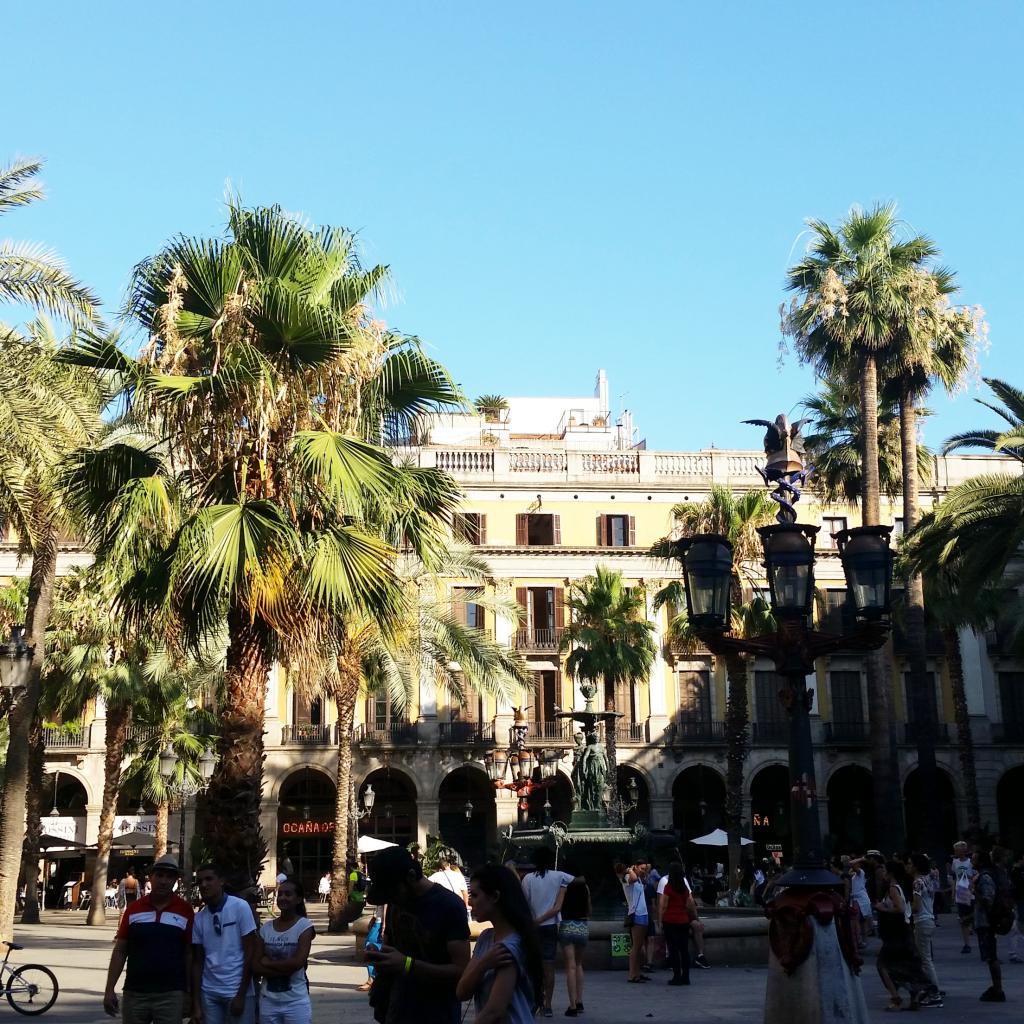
(408, 965)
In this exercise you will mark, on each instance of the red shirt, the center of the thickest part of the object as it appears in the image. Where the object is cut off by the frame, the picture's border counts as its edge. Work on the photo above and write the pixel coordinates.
(675, 906)
(158, 941)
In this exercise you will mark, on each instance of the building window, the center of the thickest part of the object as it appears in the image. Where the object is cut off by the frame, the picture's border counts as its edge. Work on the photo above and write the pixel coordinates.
(306, 711)
(898, 527)
(470, 527)
(908, 696)
(847, 700)
(1011, 693)
(771, 724)
(538, 529)
(544, 618)
(465, 610)
(694, 697)
(616, 531)
(381, 716)
(831, 526)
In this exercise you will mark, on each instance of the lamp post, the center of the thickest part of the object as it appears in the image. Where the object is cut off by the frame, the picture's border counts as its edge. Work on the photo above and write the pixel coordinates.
(523, 761)
(184, 788)
(808, 890)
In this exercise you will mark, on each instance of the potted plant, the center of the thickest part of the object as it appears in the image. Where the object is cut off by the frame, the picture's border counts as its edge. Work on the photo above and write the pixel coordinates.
(491, 406)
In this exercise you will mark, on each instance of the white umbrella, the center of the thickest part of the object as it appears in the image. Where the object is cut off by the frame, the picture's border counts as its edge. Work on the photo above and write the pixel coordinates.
(367, 844)
(719, 838)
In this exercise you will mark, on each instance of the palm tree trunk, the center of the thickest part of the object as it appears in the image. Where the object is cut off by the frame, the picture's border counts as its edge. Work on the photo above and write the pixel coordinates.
(736, 715)
(921, 692)
(869, 421)
(612, 753)
(115, 736)
(33, 823)
(235, 792)
(163, 809)
(16, 779)
(345, 699)
(884, 762)
(964, 736)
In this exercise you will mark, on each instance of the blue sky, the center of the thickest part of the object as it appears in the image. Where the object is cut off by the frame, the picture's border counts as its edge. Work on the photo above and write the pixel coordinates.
(557, 186)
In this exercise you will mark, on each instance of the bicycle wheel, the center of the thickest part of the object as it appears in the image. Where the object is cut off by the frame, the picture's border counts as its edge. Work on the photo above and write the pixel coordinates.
(32, 989)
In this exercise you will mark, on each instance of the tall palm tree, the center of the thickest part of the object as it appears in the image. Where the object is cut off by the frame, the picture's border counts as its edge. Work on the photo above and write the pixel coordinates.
(1001, 442)
(259, 474)
(46, 409)
(735, 517)
(29, 273)
(935, 343)
(610, 642)
(849, 315)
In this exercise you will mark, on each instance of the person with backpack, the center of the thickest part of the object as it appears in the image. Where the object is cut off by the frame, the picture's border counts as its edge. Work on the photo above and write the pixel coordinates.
(988, 917)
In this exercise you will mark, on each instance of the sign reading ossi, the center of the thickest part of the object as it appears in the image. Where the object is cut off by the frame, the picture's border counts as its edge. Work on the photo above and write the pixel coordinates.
(307, 828)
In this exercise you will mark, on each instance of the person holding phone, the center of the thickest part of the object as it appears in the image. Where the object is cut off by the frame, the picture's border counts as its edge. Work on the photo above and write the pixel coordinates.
(281, 954)
(425, 948)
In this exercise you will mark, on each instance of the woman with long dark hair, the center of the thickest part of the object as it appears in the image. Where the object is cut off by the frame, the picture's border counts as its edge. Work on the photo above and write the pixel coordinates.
(899, 966)
(677, 911)
(573, 935)
(505, 977)
(282, 951)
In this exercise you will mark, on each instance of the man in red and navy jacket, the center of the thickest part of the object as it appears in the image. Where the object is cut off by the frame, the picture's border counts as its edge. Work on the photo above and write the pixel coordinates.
(155, 939)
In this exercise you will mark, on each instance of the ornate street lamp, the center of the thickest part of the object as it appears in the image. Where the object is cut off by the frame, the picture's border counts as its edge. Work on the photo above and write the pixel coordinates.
(707, 578)
(183, 788)
(809, 890)
(789, 566)
(522, 761)
(867, 564)
(467, 809)
(15, 661)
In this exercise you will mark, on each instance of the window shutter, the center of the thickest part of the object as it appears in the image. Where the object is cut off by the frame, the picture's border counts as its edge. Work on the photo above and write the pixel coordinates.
(631, 541)
(556, 529)
(600, 531)
(459, 607)
(559, 607)
(521, 599)
(482, 519)
(522, 531)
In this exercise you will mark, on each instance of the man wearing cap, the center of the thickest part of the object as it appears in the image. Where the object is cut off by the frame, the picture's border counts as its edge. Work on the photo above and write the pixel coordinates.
(154, 938)
(426, 944)
(223, 945)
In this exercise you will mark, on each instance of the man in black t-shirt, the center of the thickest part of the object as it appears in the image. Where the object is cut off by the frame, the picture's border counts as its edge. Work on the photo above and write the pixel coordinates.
(426, 944)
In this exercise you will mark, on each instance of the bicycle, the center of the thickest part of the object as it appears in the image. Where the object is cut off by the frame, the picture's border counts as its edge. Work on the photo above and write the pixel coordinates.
(31, 988)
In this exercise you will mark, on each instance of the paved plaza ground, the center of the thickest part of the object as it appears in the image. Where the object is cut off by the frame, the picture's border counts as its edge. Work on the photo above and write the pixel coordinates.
(79, 956)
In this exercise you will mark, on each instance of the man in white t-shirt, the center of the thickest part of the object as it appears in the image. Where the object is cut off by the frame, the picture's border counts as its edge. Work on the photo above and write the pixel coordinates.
(223, 944)
(696, 924)
(964, 873)
(449, 875)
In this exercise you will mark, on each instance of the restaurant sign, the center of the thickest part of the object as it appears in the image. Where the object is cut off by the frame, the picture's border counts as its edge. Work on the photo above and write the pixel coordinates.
(307, 828)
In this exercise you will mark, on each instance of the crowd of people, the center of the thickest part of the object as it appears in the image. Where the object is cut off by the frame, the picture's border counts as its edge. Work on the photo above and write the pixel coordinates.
(418, 949)
(900, 900)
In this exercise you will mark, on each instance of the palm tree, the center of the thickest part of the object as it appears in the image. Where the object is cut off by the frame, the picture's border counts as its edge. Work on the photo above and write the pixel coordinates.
(850, 314)
(427, 643)
(1006, 442)
(934, 343)
(29, 273)
(610, 642)
(736, 518)
(259, 475)
(172, 718)
(46, 409)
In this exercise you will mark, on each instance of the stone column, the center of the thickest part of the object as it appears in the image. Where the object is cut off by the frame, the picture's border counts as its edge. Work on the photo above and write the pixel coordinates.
(426, 820)
(658, 721)
(272, 716)
(661, 812)
(268, 822)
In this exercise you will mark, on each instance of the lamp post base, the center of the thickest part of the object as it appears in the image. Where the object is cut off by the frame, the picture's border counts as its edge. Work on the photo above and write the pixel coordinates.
(813, 966)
